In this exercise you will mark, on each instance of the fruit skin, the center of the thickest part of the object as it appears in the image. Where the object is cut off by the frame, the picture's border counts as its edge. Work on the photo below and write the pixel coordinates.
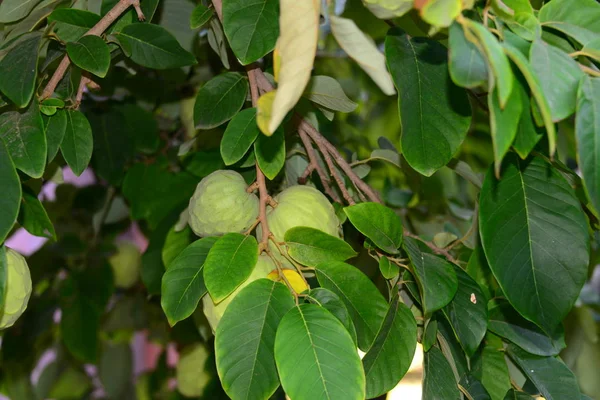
(214, 312)
(192, 377)
(126, 263)
(221, 205)
(18, 288)
(301, 206)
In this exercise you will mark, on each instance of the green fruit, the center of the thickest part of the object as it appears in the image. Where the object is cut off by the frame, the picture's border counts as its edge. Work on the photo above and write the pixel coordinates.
(18, 288)
(221, 205)
(126, 263)
(192, 377)
(301, 206)
(214, 312)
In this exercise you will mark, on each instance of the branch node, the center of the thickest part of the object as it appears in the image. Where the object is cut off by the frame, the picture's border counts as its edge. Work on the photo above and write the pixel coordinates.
(138, 10)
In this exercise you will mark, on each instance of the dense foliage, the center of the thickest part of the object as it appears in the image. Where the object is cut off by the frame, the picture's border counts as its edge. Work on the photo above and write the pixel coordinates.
(313, 178)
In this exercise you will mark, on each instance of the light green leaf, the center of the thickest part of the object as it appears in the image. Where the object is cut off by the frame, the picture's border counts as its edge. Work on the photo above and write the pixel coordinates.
(310, 246)
(518, 220)
(239, 136)
(587, 129)
(229, 263)
(387, 155)
(438, 378)
(90, 53)
(175, 242)
(388, 269)
(10, 200)
(72, 24)
(504, 122)
(332, 303)
(252, 27)
(579, 22)
(200, 16)
(441, 13)
(33, 217)
(379, 223)
(366, 305)
(466, 63)
(385, 9)
(391, 354)
(270, 153)
(245, 340)
(435, 114)
(14, 10)
(183, 283)
(78, 143)
(219, 100)
(18, 70)
(310, 339)
(154, 47)
(327, 92)
(23, 134)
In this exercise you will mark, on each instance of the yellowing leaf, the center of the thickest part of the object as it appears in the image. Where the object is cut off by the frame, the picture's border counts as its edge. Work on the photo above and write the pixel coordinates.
(296, 46)
(388, 9)
(441, 13)
(264, 111)
(294, 278)
(276, 64)
(362, 50)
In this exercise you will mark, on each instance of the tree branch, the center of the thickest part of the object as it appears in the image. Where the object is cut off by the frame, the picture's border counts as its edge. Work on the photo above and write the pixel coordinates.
(96, 30)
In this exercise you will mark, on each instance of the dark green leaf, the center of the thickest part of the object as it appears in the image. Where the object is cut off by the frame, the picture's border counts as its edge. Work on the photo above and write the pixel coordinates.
(71, 24)
(366, 305)
(436, 277)
(331, 301)
(438, 378)
(245, 340)
(115, 369)
(270, 153)
(18, 70)
(219, 100)
(239, 136)
(388, 269)
(113, 145)
(379, 223)
(14, 10)
(229, 263)
(391, 354)
(90, 53)
(490, 368)
(466, 64)
(251, 27)
(33, 217)
(142, 127)
(310, 246)
(327, 92)
(10, 200)
(549, 374)
(528, 134)
(467, 312)
(55, 127)
(23, 134)
(310, 339)
(78, 143)
(435, 114)
(504, 122)
(587, 129)
(200, 16)
(516, 395)
(430, 334)
(531, 257)
(506, 322)
(473, 388)
(153, 46)
(183, 283)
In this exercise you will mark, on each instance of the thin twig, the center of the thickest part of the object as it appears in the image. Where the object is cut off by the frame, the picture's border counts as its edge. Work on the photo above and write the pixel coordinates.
(433, 247)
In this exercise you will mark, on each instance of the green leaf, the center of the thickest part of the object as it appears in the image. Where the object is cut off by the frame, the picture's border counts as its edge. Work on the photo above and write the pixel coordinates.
(436, 277)
(90, 53)
(467, 312)
(33, 217)
(142, 127)
(388, 269)
(528, 134)
(154, 47)
(251, 27)
(175, 243)
(441, 13)
(504, 122)
(379, 223)
(366, 305)
(3, 273)
(531, 257)
(200, 16)
(490, 368)
(115, 369)
(473, 388)
(435, 113)
(270, 153)
(559, 76)
(23, 134)
(587, 129)
(18, 70)
(72, 24)
(579, 22)
(239, 136)
(507, 323)
(438, 378)
(466, 63)
(513, 394)
(549, 374)
(229, 263)
(219, 100)
(310, 246)
(393, 349)
(183, 283)
(327, 92)
(14, 10)
(245, 340)
(332, 303)
(78, 142)
(311, 340)
(10, 200)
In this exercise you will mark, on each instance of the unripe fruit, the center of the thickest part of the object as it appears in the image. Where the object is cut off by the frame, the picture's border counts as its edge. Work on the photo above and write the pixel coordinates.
(221, 205)
(301, 206)
(214, 312)
(18, 288)
(126, 263)
(191, 374)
